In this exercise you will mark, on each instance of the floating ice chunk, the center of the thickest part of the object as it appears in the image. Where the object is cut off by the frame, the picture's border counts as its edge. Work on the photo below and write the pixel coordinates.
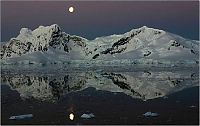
(192, 106)
(88, 116)
(26, 116)
(165, 97)
(150, 114)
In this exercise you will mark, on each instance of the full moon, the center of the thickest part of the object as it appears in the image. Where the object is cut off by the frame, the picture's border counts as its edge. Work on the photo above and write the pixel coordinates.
(71, 9)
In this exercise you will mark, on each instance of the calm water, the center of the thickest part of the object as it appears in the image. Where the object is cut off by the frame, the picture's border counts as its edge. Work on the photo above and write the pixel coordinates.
(114, 96)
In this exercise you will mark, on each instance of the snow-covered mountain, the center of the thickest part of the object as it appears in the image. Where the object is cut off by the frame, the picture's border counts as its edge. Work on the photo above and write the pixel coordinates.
(144, 45)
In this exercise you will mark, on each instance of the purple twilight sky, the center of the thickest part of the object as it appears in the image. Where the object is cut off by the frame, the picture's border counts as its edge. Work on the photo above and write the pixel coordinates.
(100, 18)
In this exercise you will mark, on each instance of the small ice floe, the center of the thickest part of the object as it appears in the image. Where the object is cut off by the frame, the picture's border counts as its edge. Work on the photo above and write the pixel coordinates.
(18, 117)
(165, 97)
(150, 114)
(88, 116)
(192, 106)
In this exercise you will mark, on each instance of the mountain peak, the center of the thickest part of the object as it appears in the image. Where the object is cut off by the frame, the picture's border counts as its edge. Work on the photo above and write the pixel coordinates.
(55, 27)
(144, 27)
(47, 29)
(25, 31)
(145, 33)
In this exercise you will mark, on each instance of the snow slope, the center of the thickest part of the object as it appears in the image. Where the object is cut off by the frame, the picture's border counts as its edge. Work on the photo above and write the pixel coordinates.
(138, 46)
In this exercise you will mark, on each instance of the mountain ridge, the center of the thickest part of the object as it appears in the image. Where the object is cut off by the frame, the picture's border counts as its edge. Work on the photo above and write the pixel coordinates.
(52, 44)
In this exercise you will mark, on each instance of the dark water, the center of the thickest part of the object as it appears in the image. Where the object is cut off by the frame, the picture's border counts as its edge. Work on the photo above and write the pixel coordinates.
(114, 97)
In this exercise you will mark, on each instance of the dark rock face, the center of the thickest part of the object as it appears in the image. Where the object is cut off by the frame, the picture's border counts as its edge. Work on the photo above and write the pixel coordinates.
(28, 46)
(136, 33)
(122, 41)
(175, 43)
(66, 48)
(157, 32)
(55, 39)
(192, 51)
(3, 49)
(118, 50)
(74, 38)
(147, 54)
(95, 56)
(115, 48)
(107, 51)
(45, 48)
(15, 47)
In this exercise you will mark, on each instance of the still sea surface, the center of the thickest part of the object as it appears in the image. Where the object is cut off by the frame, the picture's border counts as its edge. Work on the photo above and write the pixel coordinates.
(113, 95)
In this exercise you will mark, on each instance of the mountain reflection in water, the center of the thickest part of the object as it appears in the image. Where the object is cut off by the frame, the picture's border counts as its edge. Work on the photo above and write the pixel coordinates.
(141, 84)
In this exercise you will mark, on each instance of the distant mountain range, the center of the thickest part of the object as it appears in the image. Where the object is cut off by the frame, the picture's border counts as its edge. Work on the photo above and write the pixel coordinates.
(49, 45)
